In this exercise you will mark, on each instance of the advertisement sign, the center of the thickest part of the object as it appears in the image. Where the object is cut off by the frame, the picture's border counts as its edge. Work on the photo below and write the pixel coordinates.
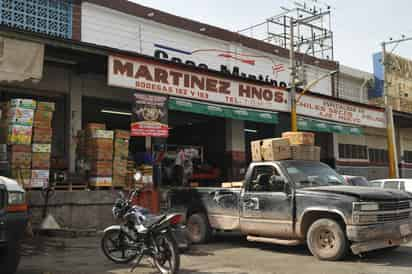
(149, 116)
(333, 110)
(140, 74)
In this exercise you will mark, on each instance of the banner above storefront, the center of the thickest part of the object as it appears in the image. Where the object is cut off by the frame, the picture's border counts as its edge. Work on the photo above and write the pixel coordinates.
(166, 79)
(223, 111)
(323, 126)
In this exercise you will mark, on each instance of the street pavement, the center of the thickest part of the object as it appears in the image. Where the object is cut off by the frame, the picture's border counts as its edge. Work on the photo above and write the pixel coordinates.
(227, 254)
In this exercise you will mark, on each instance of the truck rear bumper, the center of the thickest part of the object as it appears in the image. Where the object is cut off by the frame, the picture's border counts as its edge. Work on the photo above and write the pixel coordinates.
(371, 237)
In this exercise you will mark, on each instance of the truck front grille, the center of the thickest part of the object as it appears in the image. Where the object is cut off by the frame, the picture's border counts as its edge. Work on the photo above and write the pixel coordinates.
(389, 206)
(390, 217)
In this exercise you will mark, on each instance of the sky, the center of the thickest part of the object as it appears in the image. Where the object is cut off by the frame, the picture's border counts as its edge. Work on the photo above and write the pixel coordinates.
(359, 26)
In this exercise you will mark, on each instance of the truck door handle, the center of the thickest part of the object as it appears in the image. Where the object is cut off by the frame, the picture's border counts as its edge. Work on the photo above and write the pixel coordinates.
(251, 203)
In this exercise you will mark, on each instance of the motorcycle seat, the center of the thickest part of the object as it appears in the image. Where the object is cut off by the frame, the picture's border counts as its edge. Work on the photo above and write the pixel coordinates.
(152, 220)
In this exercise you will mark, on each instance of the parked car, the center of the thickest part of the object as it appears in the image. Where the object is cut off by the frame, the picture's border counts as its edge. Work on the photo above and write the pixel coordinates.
(399, 184)
(13, 221)
(356, 180)
(294, 202)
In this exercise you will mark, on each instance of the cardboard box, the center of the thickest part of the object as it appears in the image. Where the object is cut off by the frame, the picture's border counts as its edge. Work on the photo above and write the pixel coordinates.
(41, 115)
(3, 156)
(275, 149)
(3, 148)
(119, 181)
(42, 135)
(45, 148)
(20, 116)
(300, 138)
(37, 183)
(121, 148)
(40, 174)
(92, 126)
(256, 150)
(46, 106)
(121, 134)
(102, 134)
(40, 160)
(42, 124)
(20, 160)
(23, 103)
(101, 181)
(18, 134)
(20, 148)
(305, 152)
(100, 155)
(101, 168)
(20, 173)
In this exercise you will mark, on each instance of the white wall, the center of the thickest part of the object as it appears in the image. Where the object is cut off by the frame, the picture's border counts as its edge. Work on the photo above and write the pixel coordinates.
(111, 28)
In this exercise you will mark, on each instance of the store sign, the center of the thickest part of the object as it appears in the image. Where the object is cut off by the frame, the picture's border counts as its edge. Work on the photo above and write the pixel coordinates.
(333, 110)
(149, 116)
(138, 73)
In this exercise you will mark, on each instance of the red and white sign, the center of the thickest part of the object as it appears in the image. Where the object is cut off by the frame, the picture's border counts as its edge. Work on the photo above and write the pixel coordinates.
(140, 74)
(327, 109)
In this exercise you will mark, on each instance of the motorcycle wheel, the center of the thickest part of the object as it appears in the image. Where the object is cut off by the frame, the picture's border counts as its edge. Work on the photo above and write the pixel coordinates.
(168, 259)
(118, 247)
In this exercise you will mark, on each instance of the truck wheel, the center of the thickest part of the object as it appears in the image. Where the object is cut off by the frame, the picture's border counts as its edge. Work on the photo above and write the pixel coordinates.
(9, 259)
(198, 228)
(326, 240)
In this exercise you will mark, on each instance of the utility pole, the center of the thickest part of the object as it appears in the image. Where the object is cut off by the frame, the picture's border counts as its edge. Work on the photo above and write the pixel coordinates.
(390, 129)
(293, 114)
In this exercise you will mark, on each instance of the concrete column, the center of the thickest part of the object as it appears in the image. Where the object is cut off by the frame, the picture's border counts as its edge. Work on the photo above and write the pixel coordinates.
(235, 150)
(75, 116)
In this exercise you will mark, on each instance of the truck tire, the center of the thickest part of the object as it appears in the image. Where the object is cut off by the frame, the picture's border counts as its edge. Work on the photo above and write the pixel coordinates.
(327, 240)
(9, 259)
(198, 228)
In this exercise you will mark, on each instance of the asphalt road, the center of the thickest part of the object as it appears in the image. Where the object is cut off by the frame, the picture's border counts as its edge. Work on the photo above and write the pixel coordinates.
(226, 254)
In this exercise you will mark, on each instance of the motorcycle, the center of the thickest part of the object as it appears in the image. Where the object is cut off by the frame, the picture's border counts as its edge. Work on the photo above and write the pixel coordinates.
(142, 235)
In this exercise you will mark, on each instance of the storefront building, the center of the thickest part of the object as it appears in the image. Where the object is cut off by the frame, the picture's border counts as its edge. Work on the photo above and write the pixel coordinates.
(223, 90)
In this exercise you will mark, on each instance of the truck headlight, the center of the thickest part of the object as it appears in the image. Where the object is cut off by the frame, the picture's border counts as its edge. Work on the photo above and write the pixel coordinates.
(16, 198)
(365, 206)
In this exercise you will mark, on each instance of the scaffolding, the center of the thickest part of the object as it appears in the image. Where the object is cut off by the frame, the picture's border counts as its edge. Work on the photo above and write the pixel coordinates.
(313, 34)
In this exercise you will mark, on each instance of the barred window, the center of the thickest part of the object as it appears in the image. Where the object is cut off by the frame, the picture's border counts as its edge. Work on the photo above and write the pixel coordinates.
(52, 17)
(407, 156)
(378, 156)
(349, 151)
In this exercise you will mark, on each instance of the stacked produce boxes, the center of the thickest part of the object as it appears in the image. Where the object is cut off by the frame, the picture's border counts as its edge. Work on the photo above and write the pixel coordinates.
(292, 145)
(99, 153)
(16, 127)
(121, 154)
(41, 147)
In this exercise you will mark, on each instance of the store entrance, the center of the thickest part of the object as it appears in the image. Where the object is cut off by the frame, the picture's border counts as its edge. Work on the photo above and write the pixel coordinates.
(202, 138)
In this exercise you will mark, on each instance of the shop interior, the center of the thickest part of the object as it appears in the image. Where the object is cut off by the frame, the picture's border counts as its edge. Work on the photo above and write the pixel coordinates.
(201, 137)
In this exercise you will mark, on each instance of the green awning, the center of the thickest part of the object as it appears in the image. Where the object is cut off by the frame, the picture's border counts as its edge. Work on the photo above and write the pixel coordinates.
(324, 126)
(223, 111)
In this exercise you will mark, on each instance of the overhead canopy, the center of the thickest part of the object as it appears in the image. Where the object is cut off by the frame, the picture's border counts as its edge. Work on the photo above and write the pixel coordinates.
(223, 111)
(324, 126)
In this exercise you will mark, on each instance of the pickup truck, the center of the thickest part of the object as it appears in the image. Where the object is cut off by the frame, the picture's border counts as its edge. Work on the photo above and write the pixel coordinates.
(13, 221)
(294, 202)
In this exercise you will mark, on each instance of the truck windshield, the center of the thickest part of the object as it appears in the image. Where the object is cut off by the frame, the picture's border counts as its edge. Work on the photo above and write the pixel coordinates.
(311, 174)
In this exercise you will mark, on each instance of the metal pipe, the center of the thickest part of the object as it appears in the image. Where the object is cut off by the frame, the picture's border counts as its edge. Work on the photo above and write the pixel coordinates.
(293, 115)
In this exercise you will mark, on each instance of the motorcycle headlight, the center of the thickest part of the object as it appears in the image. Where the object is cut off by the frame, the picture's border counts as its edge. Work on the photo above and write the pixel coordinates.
(365, 206)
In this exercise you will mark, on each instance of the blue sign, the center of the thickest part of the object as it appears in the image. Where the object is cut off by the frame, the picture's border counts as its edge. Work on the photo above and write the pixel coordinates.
(378, 72)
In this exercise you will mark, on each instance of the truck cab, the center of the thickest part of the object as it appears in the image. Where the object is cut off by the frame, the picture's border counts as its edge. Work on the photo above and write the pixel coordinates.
(292, 202)
(13, 221)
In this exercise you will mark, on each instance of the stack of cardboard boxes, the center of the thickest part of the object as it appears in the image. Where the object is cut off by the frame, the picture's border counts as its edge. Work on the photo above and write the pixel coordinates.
(16, 127)
(292, 145)
(99, 153)
(121, 155)
(41, 147)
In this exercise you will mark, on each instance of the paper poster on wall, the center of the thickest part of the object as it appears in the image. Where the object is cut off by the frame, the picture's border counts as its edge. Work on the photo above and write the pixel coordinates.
(149, 116)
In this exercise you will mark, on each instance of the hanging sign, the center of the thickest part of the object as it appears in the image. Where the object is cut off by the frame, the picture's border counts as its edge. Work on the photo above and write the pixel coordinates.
(149, 116)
